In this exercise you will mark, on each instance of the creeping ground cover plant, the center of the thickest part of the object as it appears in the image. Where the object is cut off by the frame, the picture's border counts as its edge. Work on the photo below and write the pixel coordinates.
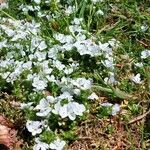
(57, 64)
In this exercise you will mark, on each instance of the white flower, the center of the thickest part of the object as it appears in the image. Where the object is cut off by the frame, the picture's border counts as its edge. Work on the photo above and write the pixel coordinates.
(57, 144)
(26, 105)
(51, 99)
(105, 47)
(75, 28)
(57, 107)
(64, 38)
(35, 42)
(40, 145)
(8, 31)
(95, 1)
(69, 39)
(144, 27)
(42, 46)
(29, 7)
(63, 111)
(81, 48)
(64, 81)
(37, 1)
(45, 67)
(39, 84)
(77, 21)
(51, 78)
(136, 79)
(145, 54)
(41, 14)
(44, 108)
(60, 37)
(5, 75)
(14, 75)
(70, 10)
(87, 46)
(93, 96)
(114, 43)
(30, 76)
(71, 110)
(108, 64)
(77, 91)
(71, 114)
(80, 37)
(66, 95)
(35, 127)
(68, 71)
(24, 8)
(100, 12)
(115, 109)
(52, 53)
(27, 65)
(77, 108)
(58, 65)
(3, 5)
(40, 55)
(3, 44)
(19, 35)
(139, 64)
(111, 79)
(106, 104)
(82, 83)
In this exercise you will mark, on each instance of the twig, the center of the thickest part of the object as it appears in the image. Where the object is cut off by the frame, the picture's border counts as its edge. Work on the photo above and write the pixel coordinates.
(84, 138)
(118, 146)
(139, 117)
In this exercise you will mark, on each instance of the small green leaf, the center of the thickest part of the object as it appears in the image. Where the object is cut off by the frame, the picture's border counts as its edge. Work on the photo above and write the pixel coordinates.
(122, 94)
(69, 135)
(47, 136)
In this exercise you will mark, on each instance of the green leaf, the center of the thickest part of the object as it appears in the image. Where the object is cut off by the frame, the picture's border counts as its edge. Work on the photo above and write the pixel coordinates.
(69, 135)
(100, 88)
(122, 94)
(83, 3)
(47, 136)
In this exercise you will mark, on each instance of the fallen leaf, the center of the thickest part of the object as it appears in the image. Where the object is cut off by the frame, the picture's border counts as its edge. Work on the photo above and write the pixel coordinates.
(7, 133)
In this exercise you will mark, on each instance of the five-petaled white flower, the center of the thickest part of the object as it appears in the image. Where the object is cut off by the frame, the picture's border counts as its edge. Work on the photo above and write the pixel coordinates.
(136, 79)
(57, 144)
(71, 110)
(40, 145)
(82, 83)
(93, 96)
(37, 1)
(114, 108)
(35, 127)
(26, 105)
(43, 107)
(39, 84)
(145, 54)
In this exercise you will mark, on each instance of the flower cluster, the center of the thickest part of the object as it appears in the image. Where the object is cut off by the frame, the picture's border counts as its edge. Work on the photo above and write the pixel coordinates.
(45, 62)
(56, 145)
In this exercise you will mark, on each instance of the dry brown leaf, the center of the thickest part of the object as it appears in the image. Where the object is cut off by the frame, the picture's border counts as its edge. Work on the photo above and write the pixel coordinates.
(118, 146)
(18, 145)
(7, 133)
(2, 1)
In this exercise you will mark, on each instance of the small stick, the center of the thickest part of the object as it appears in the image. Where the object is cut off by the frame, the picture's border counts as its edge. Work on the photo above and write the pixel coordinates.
(85, 138)
(139, 117)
